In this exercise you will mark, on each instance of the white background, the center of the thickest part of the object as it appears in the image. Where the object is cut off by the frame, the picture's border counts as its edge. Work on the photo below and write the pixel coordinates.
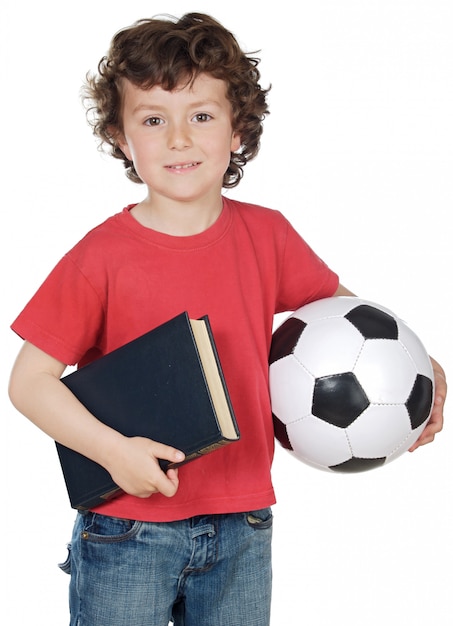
(357, 152)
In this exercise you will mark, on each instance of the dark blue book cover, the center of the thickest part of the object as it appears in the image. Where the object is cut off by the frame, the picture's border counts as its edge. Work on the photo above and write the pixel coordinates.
(161, 385)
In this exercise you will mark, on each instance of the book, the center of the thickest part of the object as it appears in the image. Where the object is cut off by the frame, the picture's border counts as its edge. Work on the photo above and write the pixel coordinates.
(167, 385)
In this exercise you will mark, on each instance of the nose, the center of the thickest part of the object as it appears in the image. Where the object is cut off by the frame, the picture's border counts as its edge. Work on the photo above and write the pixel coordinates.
(179, 136)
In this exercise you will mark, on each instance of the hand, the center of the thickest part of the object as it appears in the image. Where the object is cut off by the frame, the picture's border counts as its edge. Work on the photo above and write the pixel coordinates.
(135, 468)
(436, 421)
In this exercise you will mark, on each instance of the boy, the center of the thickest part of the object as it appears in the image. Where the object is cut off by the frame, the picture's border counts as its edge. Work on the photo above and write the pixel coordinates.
(180, 104)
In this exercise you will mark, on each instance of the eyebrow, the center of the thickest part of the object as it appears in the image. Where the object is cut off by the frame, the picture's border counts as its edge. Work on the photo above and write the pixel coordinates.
(149, 106)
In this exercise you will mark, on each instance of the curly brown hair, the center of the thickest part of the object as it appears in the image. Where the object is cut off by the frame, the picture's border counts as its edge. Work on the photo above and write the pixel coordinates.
(168, 52)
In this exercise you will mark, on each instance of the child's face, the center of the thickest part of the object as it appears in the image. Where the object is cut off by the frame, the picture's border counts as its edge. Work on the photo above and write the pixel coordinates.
(179, 141)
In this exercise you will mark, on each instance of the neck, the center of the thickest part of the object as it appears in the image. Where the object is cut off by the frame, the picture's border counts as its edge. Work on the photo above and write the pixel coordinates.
(178, 219)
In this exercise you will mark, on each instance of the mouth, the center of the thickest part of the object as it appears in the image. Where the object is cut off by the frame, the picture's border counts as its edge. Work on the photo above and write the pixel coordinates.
(179, 167)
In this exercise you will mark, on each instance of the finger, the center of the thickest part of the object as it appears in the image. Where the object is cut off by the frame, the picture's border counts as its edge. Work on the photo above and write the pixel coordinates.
(427, 436)
(172, 476)
(167, 484)
(167, 453)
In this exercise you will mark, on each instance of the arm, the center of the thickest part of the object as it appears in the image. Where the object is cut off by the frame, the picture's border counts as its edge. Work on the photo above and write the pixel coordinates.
(343, 291)
(436, 420)
(36, 391)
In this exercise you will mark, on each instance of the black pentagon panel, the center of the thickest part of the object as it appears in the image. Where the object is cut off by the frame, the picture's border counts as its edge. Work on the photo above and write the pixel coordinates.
(339, 399)
(355, 465)
(285, 338)
(420, 400)
(281, 434)
(373, 323)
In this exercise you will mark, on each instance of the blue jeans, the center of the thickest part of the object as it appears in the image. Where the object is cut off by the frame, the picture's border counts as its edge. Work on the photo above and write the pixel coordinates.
(207, 570)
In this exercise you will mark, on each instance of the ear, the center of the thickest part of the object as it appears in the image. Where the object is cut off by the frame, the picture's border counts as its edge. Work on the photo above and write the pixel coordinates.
(125, 149)
(235, 142)
(120, 140)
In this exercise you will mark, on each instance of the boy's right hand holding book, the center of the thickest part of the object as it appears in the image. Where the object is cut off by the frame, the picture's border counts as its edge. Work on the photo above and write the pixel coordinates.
(133, 465)
(37, 392)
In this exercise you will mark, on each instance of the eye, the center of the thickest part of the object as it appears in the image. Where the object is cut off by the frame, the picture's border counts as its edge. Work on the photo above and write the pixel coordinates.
(154, 121)
(202, 117)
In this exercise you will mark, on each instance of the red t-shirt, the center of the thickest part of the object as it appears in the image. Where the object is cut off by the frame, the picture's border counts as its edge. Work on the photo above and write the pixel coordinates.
(123, 279)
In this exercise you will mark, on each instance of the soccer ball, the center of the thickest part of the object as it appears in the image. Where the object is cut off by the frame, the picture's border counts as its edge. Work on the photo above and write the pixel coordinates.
(351, 385)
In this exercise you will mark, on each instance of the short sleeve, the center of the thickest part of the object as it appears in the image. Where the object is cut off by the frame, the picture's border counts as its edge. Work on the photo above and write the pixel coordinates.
(304, 276)
(64, 316)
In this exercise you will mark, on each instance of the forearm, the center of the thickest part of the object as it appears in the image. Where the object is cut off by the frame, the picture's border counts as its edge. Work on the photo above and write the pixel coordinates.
(52, 407)
(37, 391)
(343, 291)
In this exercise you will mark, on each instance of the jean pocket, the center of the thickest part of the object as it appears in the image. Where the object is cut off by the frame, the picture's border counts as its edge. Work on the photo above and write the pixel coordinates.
(65, 566)
(260, 519)
(106, 529)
